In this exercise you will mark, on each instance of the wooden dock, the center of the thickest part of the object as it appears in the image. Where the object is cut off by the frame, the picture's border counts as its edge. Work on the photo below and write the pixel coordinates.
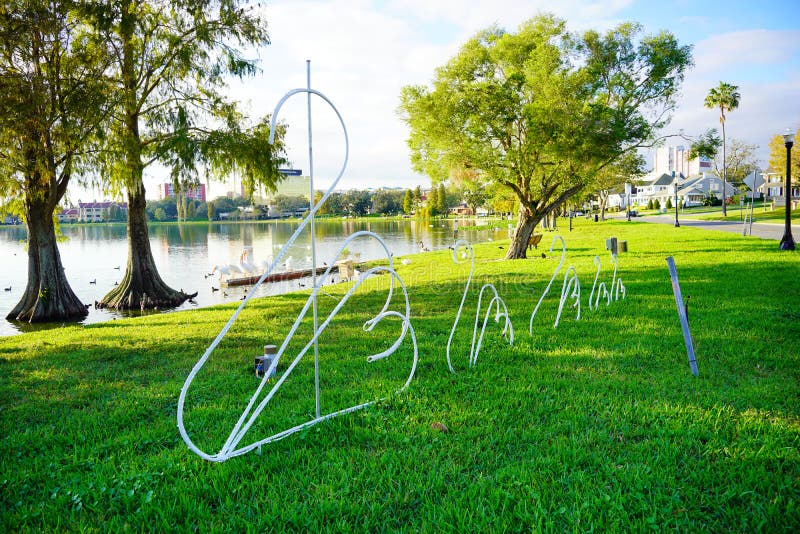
(274, 277)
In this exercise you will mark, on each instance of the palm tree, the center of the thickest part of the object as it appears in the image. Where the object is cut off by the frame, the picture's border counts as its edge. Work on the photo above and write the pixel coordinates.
(725, 96)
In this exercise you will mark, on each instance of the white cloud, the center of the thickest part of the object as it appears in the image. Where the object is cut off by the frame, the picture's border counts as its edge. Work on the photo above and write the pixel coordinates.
(736, 50)
(769, 86)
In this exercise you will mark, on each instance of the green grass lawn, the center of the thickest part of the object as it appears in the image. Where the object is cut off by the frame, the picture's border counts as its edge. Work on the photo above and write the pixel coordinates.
(777, 215)
(595, 425)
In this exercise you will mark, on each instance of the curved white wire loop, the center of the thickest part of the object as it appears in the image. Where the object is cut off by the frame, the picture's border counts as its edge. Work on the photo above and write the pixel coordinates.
(616, 283)
(500, 311)
(555, 273)
(601, 288)
(570, 288)
(252, 411)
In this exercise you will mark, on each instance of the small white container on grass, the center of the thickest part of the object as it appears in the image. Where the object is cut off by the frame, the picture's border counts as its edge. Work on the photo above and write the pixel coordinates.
(263, 362)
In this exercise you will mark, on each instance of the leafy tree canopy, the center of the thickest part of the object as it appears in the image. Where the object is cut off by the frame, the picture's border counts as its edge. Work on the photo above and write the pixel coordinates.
(777, 156)
(542, 110)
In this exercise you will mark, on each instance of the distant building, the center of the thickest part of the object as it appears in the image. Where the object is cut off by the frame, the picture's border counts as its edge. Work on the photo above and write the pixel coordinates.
(294, 184)
(69, 215)
(100, 211)
(167, 190)
(676, 158)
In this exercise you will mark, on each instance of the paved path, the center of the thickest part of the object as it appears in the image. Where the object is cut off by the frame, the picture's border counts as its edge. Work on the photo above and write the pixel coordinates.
(762, 230)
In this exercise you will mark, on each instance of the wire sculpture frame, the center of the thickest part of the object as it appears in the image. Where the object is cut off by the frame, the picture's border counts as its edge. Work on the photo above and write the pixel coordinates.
(254, 408)
(555, 273)
(570, 288)
(500, 311)
(601, 288)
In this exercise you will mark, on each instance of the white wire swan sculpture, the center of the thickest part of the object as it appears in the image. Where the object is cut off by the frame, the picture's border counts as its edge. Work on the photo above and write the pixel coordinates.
(570, 288)
(232, 446)
(552, 278)
(601, 289)
(617, 286)
(496, 301)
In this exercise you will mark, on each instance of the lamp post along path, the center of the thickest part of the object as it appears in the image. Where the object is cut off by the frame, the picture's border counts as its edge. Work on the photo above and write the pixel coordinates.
(787, 241)
(675, 183)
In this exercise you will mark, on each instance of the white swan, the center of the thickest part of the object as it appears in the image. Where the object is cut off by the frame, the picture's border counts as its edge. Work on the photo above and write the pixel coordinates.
(227, 270)
(245, 265)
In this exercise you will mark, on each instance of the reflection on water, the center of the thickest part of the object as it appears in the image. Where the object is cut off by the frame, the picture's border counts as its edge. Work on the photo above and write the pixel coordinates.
(186, 253)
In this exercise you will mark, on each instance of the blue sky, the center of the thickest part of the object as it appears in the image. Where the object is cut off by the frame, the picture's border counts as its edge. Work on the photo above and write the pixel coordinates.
(364, 51)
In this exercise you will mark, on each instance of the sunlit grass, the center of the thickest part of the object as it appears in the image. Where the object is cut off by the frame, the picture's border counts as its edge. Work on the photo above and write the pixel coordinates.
(778, 215)
(596, 425)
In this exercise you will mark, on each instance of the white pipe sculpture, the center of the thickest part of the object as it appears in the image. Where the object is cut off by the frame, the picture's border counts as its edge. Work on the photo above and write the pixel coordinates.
(616, 283)
(500, 306)
(572, 283)
(232, 446)
(601, 289)
(555, 273)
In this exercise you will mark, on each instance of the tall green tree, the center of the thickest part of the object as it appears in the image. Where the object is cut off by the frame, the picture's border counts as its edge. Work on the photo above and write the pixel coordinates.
(433, 201)
(542, 110)
(171, 62)
(724, 97)
(441, 200)
(408, 202)
(53, 101)
(417, 198)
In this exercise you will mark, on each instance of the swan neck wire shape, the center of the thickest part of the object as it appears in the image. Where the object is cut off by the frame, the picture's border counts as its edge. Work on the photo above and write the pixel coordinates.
(555, 273)
(252, 411)
(496, 301)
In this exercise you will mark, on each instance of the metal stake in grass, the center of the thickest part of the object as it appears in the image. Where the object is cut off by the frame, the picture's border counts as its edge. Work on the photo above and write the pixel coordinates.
(687, 336)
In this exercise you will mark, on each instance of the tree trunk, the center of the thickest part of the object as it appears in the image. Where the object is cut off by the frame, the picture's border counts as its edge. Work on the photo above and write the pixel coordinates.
(48, 296)
(141, 287)
(522, 233)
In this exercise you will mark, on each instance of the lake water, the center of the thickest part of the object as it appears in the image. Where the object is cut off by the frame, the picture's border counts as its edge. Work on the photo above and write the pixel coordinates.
(186, 253)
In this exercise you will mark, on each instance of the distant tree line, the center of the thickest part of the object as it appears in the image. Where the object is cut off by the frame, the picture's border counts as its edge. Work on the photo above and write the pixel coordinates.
(355, 202)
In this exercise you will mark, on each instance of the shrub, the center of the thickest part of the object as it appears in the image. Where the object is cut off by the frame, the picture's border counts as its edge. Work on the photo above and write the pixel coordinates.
(669, 204)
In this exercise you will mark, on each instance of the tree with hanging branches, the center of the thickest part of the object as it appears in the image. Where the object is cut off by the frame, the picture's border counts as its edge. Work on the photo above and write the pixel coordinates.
(171, 63)
(54, 99)
(724, 97)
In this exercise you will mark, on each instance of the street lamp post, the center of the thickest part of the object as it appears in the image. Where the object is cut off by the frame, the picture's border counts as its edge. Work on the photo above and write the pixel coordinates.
(675, 183)
(787, 241)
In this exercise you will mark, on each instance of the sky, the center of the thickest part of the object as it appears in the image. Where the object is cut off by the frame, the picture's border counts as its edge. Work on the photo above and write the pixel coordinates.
(362, 52)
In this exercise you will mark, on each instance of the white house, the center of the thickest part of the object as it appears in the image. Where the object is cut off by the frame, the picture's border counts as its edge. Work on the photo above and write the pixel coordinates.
(653, 187)
(773, 187)
(692, 191)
